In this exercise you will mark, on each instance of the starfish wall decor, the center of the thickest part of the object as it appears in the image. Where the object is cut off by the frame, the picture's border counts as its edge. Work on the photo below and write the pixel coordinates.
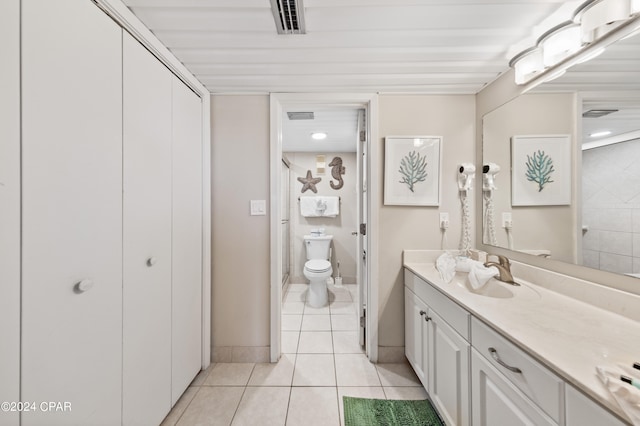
(309, 182)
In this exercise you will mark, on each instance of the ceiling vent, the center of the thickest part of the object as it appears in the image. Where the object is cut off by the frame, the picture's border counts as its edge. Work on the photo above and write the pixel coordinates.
(597, 113)
(300, 115)
(288, 15)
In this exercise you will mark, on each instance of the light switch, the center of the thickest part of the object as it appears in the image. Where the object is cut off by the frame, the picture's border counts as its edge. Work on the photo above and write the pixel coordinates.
(258, 207)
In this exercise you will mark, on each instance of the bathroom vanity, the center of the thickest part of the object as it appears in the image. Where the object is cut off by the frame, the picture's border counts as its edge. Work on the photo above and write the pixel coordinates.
(509, 355)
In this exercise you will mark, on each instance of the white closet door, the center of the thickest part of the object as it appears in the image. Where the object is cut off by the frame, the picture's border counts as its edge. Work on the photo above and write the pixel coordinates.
(147, 236)
(10, 206)
(72, 212)
(187, 238)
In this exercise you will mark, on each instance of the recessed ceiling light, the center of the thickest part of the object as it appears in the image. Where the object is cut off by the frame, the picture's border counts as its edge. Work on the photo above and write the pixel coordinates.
(319, 136)
(598, 134)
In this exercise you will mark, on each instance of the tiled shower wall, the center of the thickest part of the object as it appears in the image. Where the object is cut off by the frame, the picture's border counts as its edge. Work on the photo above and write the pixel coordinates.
(611, 207)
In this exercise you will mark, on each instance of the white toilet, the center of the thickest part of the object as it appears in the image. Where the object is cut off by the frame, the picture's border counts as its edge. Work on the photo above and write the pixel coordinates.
(317, 269)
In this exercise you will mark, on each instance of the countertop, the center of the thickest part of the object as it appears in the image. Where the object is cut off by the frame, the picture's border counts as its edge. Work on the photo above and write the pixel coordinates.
(568, 336)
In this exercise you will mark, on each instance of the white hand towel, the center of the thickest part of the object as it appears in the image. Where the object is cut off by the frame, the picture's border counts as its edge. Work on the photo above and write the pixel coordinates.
(627, 396)
(309, 206)
(446, 265)
(332, 204)
(480, 274)
(465, 264)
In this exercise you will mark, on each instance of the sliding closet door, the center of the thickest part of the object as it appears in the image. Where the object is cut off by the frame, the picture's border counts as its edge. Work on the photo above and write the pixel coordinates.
(10, 206)
(147, 236)
(187, 238)
(72, 213)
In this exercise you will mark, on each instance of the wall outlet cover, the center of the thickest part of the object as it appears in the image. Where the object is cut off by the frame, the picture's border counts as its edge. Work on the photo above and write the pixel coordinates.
(258, 207)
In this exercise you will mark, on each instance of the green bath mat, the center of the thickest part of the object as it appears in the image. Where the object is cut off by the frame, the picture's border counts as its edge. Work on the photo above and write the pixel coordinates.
(382, 412)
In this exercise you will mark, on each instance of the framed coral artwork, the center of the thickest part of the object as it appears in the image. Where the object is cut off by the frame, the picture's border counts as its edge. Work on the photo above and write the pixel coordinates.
(412, 170)
(541, 170)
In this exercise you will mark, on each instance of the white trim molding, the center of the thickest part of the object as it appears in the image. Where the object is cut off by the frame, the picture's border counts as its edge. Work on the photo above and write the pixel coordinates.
(370, 103)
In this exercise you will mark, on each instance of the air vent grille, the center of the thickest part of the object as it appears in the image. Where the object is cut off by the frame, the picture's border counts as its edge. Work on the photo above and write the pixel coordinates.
(597, 113)
(288, 15)
(300, 115)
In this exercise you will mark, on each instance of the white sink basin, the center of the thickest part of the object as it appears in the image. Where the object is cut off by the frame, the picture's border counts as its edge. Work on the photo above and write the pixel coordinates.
(493, 288)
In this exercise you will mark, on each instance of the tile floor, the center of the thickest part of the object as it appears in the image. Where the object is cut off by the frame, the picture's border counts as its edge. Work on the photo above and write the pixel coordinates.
(321, 362)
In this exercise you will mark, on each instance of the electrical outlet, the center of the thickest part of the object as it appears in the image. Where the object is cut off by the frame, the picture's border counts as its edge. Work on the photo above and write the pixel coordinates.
(507, 221)
(444, 220)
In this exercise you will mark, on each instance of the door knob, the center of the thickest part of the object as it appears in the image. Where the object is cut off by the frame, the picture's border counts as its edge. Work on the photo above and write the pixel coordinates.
(84, 285)
(354, 233)
(151, 261)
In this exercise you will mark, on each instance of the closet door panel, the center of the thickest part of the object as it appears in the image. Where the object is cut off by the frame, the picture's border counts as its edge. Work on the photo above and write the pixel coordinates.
(72, 212)
(10, 206)
(147, 236)
(187, 238)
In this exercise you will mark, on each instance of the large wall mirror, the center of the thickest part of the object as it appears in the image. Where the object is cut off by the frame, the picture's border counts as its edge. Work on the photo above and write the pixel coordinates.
(592, 113)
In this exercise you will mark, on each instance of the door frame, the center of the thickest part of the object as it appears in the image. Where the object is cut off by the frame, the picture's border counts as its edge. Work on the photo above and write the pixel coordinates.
(278, 101)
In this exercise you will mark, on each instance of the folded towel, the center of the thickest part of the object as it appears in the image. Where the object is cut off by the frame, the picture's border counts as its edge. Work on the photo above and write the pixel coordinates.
(331, 206)
(309, 206)
(480, 274)
(446, 265)
(627, 396)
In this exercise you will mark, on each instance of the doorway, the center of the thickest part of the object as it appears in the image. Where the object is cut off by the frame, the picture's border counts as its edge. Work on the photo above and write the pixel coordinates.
(364, 111)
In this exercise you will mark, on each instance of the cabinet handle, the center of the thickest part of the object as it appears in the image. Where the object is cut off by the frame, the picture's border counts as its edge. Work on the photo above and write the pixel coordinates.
(151, 261)
(422, 313)
(427, 319)
(84, 285)
(494, 354)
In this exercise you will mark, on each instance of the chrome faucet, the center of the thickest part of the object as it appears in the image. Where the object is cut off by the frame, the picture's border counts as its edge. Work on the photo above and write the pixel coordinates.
(504, 268)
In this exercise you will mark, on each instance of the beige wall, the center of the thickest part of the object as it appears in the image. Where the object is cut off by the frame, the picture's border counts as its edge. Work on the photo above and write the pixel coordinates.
(240, 246)
(240, 168)
(343, 243)
(550, 228)
(403, 227)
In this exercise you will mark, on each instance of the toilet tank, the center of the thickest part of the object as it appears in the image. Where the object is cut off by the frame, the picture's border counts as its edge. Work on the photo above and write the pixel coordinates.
(317, 247)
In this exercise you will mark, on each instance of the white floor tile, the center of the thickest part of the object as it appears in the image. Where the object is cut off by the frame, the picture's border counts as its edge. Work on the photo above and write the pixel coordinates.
(309, 310)
(355, 370)
(229, 374)
(316, 323)
(343, 308)
(292, 308)
(180, 407)
(315, 342)
(346, 342)
(295, 296)
(397, 375)
(298, 287)
(344, 322)
(313, 406)
(339, 295)
(314, 370)
(405, 392)
(289, 344)
(274, 374)
(291, 322)
(202, 375)
(212, 406)
(263, 406)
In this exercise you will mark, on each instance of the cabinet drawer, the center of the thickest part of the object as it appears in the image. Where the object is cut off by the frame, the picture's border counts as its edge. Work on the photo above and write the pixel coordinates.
(533, 379)
(449, 311)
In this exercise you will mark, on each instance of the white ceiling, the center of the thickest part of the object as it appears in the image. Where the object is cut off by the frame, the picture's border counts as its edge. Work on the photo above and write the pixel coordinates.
(420, 46)
(340, 124)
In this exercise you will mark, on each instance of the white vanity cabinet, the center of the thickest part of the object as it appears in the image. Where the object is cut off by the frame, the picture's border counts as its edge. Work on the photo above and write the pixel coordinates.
(581, 411)
(438, 349)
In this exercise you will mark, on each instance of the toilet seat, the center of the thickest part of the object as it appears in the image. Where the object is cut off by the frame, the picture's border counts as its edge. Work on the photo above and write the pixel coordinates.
(317, 265)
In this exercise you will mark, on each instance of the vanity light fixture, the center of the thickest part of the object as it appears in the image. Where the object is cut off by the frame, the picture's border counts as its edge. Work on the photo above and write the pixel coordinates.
(598, 17)
(559, 42)
(598, 23)
(318, 136)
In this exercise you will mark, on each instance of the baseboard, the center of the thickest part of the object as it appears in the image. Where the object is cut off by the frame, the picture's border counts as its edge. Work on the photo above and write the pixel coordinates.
(391, 354)
(238, 354)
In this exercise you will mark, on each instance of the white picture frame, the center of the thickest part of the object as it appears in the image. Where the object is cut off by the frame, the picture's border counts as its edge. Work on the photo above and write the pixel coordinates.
(412, 170)
(541, 170)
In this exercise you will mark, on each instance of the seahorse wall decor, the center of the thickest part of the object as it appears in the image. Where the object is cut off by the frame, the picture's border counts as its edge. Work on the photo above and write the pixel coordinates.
(337, 170)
